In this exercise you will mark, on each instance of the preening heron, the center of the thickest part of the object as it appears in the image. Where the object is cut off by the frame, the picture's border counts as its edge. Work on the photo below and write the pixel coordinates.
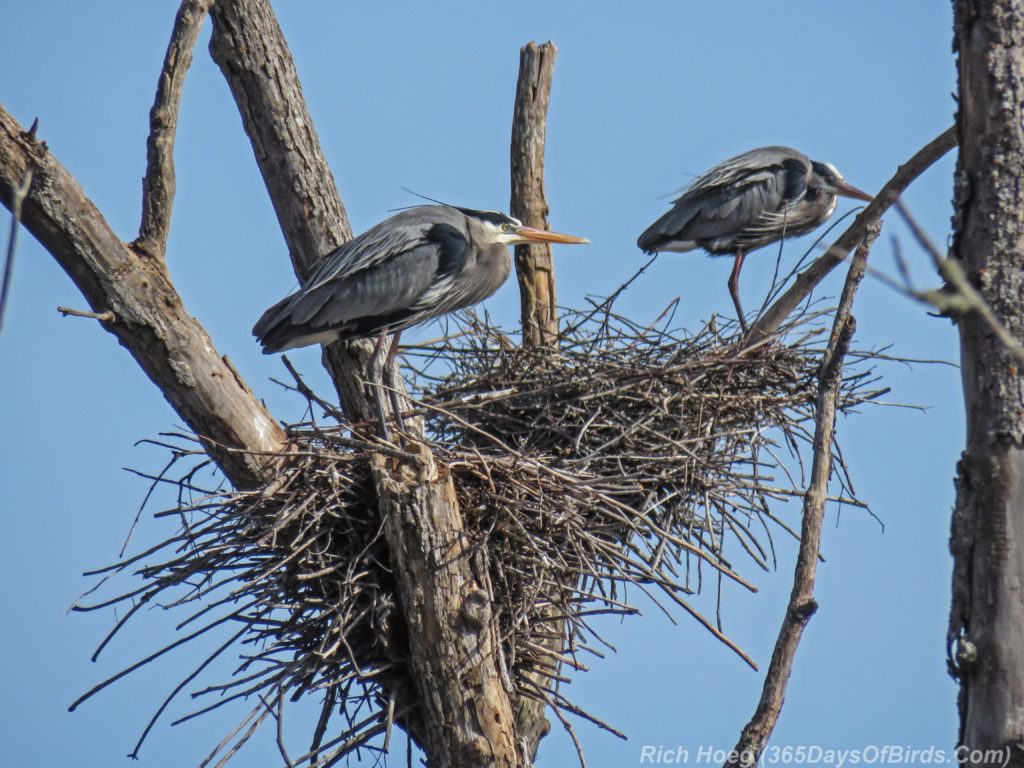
(419, 264)
(746, 202)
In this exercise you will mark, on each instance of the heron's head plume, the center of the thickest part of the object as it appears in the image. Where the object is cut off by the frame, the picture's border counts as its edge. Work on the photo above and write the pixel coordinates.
(826, 177)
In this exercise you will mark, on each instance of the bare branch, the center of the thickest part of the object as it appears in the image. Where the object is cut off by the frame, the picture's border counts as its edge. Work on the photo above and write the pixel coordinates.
(807, 280)
(959, 296)
(103, 317)
(158, 185)
(152, 323)
(251, 51)
(802, 604)
(534, 266)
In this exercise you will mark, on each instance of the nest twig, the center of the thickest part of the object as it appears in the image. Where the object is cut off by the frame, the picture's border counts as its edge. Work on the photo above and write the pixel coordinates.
(625, 459)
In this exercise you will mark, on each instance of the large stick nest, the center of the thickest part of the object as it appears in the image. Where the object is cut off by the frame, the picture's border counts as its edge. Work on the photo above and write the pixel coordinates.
(629, 456)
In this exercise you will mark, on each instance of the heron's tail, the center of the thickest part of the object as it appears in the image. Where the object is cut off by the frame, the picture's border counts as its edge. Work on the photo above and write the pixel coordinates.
(274, 329)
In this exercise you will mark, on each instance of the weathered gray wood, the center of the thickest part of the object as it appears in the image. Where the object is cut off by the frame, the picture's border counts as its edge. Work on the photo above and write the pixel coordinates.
(534, 267)
(987, 617)
(465, 708)
(149, 318)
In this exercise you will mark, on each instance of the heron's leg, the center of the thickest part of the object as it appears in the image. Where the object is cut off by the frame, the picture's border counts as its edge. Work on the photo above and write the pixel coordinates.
(734, 289)
(391, 369)
(374, 382)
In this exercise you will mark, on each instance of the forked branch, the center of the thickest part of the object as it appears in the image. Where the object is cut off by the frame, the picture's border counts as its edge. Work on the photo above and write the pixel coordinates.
(150, 319)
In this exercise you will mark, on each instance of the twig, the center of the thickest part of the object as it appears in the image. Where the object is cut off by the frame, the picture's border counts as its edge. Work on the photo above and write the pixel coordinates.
(158, 185)
(959, 297)
(807, 280)
(18, 195)
(802, 605)
(103, 317)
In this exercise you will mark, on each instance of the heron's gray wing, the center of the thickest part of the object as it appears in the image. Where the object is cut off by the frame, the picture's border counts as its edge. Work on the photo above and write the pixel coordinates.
(360, 304)
(381, 289)
(385, 292)
(730, 198)
(737, 169)
(376, 245)
(405, 230)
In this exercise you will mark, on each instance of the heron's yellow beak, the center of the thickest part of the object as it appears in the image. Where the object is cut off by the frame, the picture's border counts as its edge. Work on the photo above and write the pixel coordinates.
(531, 235)
(848, 190)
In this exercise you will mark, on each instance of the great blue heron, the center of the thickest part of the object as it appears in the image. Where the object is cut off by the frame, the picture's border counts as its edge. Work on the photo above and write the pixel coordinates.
(417, 265)
(749, 201)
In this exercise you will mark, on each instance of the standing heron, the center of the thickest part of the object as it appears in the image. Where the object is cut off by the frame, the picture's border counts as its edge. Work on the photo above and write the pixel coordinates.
(751, 200)
(419, 264)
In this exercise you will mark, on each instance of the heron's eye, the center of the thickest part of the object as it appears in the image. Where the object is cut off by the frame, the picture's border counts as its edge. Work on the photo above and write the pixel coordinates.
(508, 228)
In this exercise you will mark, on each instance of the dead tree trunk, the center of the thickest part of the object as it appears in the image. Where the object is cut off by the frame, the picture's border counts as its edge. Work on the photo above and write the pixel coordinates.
(535, 271)
(465, 706)
(987, 617)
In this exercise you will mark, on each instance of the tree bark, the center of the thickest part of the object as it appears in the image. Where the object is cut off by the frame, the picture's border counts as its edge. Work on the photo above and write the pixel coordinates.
(987, 541)
(534, 267)
(148, 316)
(465, 705)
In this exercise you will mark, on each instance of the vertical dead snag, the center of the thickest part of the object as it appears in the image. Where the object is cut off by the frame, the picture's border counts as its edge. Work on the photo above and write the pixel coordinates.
(534, 267)
(535, 271)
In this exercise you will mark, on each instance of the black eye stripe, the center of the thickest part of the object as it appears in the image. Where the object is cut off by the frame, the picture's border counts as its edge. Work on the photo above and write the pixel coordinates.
(494, 217)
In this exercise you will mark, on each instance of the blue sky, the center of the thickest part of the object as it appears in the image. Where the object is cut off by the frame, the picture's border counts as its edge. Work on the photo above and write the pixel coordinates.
(420, 95)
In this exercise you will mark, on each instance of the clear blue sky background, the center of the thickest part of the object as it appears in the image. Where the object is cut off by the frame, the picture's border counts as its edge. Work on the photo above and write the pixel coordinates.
(420, 95)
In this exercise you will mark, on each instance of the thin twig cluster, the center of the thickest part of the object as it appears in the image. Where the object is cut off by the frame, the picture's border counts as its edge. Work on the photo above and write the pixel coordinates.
(626, 458)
